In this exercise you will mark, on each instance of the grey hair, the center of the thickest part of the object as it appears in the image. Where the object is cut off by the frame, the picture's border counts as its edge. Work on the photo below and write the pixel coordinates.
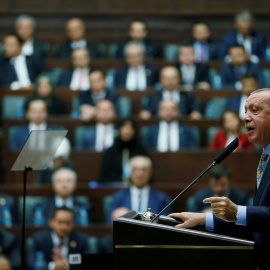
(130, 43)
(25, 17)
(244, 15)
(261, 90)
(147, 159)
(72, 172)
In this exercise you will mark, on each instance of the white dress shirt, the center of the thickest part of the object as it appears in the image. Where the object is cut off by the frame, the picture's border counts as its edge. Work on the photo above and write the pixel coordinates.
(59, 202)
(188, 74)
(173, 95)
(168, 136)
(80, 79)
(64, 248)
(136, 78)
(78, 44)
(104, 136)
(136, 193)
(20, 67)
(28, 47)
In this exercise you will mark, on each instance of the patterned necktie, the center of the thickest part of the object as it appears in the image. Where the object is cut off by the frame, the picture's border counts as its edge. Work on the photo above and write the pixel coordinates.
(261, 167)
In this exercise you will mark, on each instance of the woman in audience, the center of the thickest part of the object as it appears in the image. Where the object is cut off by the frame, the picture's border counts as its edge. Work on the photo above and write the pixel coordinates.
(45, 90)
(232, 128)
(115, 161)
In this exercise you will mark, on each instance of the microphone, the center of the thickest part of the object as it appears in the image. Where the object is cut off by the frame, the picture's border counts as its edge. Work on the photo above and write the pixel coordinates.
(219, 158)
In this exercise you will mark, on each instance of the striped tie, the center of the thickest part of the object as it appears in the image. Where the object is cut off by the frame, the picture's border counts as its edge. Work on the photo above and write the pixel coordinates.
(261, 167)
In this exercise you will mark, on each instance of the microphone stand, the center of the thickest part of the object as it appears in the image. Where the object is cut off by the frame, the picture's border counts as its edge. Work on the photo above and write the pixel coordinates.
(185, 189)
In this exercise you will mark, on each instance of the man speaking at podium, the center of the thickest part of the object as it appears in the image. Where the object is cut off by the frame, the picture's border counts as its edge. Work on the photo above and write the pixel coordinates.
(252, 222)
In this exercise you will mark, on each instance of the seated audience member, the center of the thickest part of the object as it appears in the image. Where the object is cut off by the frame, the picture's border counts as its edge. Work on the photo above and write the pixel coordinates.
(232, 73)
(106, 242)
(25, 28)
(36, 113)
(17, 70)
(140, 196)
(98, 91)
(45, 90)
(249, 83)
(77, 78)
(5, 263)
(169, 134)
(76, 39)
(138, 32)
(204, 46)
(60, 159)
(10, 253)
(115, 160)
(193, 75)
(58, 242)
(170, 80)
(64, 181)
(7, 210)
(100, 136)
(135, 75)
(220, 185)
(232, 128)
(245, 35)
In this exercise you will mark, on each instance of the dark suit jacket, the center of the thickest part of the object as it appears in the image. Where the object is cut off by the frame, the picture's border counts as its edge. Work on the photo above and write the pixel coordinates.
(64, 50)
(201, 73)
(48, 207)
(42, 241)
(40, 50)
(9, 247)
(86, 97)
(229, 78)
(157, 201)
(258, 222)
(10, 203)
(8, 75)
(21, 135)
(233, 103)
(65, 77)
(258, 46)
(237, 196)
(152, 76)
(186, 105)
(186, 137)
(153, 50)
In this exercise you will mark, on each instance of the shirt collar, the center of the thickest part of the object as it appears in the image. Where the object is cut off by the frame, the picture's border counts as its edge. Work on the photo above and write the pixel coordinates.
(59, 202)
(267, 149)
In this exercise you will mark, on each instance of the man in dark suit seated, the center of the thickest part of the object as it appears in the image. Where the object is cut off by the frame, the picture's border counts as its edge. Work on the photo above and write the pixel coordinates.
(77, 77)
(37, 115)
(244, 34)
(25, 28)
(57, 243)
(17, 71)
(9, 247)
(193, 75)
(204, 46)
(247, 222)
(249, 83)
(64, 181)
(100, 136)
(139, 196)
(138, 32)
(170, 80)
(220, 185)
(76, 32)
(98, 91)
(232, 73)
(7, 210)
(135, 75)
(169, 134)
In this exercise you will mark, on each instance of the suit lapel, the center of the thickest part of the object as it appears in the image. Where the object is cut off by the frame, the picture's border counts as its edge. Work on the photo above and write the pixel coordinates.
(262, 185)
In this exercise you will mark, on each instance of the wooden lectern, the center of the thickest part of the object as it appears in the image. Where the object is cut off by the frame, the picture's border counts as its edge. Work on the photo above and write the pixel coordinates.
(144, 245)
